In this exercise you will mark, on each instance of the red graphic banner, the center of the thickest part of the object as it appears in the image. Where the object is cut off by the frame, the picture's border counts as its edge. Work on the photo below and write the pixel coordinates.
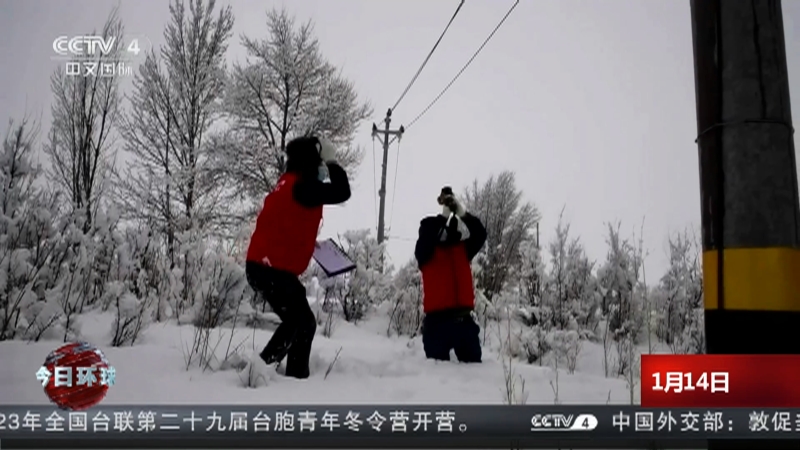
(767, 381)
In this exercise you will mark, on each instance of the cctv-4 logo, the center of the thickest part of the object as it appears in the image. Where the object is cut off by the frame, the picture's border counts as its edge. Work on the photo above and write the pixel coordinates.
(561, 422)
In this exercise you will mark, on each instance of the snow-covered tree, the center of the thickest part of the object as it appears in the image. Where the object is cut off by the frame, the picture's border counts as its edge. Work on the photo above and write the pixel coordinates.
(618, 277)
(285, 89)
(557, 297)
(531, 281)
(569, 298)
(170, 183)
(406, 313)
(367, 285)
(85, 113)
(146, 192)
(679, 297)
(508, 221)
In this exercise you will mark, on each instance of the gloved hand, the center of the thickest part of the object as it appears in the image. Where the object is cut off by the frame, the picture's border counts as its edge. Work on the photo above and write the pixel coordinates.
(452, 205)
(453, 233)
(327, 152)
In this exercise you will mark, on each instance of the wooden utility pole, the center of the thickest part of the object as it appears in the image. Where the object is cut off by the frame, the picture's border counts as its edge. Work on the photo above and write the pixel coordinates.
(748, 182)
(385, 142)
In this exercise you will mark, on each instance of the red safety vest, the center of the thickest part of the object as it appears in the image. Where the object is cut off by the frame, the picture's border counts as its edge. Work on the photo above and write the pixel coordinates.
(286, 231)
(447, 280)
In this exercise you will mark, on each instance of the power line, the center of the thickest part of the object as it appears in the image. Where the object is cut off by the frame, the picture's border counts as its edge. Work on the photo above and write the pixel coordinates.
(411, 83)
(465, 66)
(394, 185)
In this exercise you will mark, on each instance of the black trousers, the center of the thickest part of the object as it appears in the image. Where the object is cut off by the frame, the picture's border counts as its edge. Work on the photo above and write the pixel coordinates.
(287, 297)
(451, 330)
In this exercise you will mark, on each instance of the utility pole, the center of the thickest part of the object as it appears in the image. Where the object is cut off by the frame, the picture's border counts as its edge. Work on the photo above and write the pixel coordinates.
(748, 182)
(385, 143)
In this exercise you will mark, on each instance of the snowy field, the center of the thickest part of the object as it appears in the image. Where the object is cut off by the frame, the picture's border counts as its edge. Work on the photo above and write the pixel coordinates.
(370, 368)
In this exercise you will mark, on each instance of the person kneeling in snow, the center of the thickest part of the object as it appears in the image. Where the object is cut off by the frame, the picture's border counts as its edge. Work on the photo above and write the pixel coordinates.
(283, 242)
(445, 248)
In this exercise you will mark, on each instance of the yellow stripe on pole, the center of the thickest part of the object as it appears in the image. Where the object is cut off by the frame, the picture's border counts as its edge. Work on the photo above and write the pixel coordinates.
(756, 279)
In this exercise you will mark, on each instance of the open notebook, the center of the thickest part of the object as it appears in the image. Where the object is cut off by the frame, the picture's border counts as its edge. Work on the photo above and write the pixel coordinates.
(332, 258)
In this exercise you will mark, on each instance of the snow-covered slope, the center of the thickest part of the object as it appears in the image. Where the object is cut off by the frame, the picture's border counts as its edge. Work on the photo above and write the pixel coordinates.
(370, 368)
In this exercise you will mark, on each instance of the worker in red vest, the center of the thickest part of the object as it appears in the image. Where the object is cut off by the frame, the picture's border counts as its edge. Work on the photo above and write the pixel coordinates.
(283, 242)
(445, 248)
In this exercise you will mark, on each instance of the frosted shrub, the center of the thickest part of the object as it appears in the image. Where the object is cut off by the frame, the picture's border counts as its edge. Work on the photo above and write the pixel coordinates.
(484, 311)
(143, 269)
(103, 245)
(70, 280)
(219, 293)
(625, 353)
(365, 286)
(692, 341)
(27, 238)
(132, 316)
(535, 344)
(39, 319)
(514, 392)
(406, 314)
(566, 346)
(142, 285)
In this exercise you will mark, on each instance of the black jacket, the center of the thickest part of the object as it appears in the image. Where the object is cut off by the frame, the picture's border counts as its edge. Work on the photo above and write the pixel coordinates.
(310, 192)
(430, 233)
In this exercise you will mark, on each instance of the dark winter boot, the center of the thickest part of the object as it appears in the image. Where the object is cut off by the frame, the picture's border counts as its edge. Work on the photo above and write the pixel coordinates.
(297, 360)
(279, 345)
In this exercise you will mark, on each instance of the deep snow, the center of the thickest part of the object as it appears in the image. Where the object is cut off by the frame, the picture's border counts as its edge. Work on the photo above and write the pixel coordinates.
(371, 368)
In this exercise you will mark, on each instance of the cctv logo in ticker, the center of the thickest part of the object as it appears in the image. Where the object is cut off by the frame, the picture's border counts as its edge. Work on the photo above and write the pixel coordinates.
(563, 422)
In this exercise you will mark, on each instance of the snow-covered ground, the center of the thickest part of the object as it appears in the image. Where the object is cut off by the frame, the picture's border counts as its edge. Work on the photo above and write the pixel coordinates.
(370, 368)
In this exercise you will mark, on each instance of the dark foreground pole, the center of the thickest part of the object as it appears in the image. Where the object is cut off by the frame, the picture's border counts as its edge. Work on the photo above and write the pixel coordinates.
(748, 182)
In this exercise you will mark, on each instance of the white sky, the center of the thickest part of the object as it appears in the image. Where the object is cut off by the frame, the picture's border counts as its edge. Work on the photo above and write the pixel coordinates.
(590, 102)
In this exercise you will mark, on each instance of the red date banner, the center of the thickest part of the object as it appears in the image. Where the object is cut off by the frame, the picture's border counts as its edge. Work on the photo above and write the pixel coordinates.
(766, 381)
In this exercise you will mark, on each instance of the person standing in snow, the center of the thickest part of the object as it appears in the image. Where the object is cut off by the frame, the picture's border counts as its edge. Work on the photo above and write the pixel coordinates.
(445, 248)
(283, 243)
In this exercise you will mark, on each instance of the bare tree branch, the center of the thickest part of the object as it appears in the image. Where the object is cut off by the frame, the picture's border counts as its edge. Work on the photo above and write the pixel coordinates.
(85, 113)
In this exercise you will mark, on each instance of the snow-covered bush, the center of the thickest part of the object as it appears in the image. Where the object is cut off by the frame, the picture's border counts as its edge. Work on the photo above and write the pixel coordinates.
(692, 340)
(220, 292)
(484, 312)
(628, 363)
(27, 237)
(406, 313)
(535, 344)
(532, 273)
(142, 287)
(208, 288)
(132, 315)
(367, 285)
(622, 303)
(39, 320)
(679, 295)
(566, 345)
(514, 392)
(569, 298)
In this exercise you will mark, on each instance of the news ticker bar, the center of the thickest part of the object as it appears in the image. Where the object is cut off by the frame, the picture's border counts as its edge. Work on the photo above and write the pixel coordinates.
(386, 426)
